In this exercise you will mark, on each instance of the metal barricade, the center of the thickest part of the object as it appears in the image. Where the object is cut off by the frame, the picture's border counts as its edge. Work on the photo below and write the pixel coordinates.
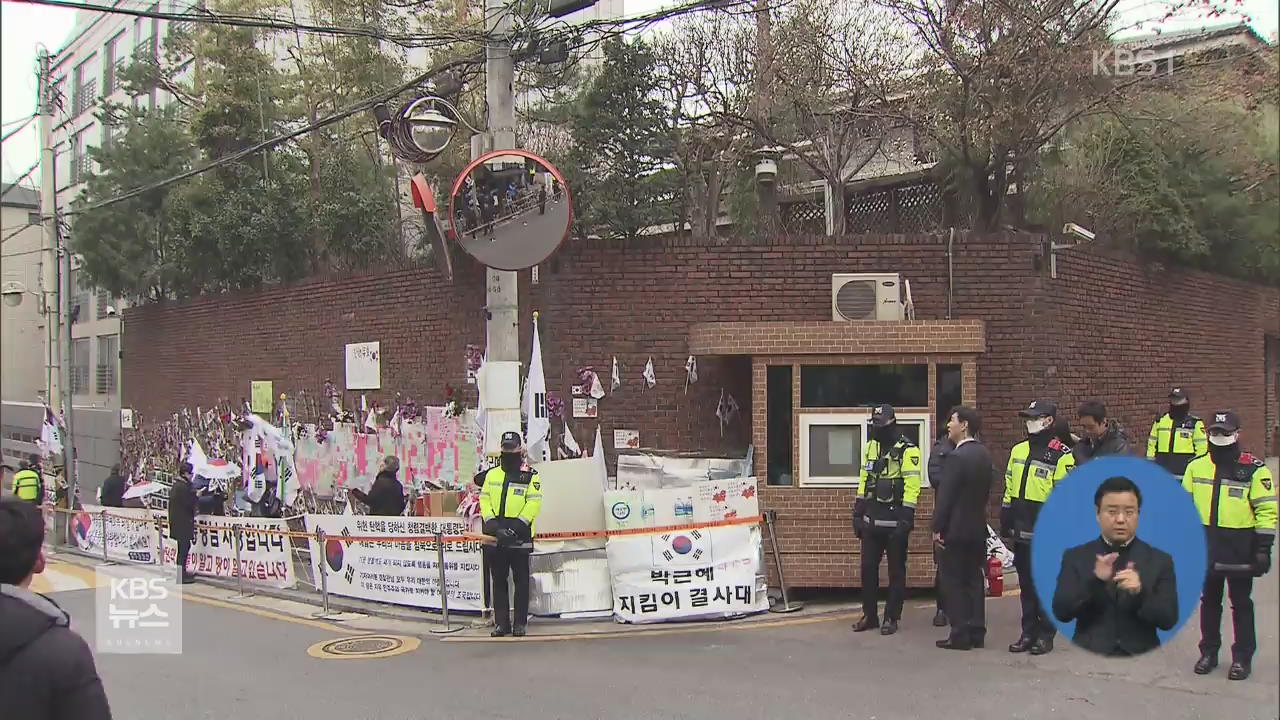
(444, 588)
(770, 518)
(324, 613)
(239, 539)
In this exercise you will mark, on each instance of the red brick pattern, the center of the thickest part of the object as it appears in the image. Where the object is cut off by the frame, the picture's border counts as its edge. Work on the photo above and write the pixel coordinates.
(1108, 326)
(790, 338)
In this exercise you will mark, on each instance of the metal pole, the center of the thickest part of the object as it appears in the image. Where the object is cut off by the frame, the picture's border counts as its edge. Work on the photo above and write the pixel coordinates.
(324, 577)
(68, 417)
(102, 516)
(770, 517)
(444, 589)
(239, 536)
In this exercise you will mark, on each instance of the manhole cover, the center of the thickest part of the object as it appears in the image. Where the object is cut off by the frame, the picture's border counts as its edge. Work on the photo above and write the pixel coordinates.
(363, 646)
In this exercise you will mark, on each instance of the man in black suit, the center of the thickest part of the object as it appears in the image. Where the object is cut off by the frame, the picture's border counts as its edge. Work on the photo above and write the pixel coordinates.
(960, 531)
(1117, 588)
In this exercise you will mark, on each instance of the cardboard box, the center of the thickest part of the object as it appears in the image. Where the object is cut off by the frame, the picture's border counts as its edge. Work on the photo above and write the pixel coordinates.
(437, 503)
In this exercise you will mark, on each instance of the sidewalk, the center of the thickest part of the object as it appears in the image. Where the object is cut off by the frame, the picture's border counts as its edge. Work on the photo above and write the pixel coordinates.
(844, 604)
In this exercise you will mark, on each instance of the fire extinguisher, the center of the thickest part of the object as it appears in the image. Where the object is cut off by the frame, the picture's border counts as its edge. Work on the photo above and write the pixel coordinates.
(995, 577)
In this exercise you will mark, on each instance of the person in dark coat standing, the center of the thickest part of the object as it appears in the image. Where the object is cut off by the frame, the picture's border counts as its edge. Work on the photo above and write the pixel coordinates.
(1117, 588)
(182, 519)
(46, 669)
(386, 495)
(113, 489)
(960, 531)
(1102, 436)
(937, 459)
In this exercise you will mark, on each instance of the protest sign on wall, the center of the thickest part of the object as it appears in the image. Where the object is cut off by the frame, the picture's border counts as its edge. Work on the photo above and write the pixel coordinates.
(267, 558)
(401, 572)
(687, 574)
(131, 536)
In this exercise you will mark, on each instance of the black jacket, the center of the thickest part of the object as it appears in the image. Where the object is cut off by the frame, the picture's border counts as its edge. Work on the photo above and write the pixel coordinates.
(385, 496)
(1111, 621)
(46, 669)
(1114, 442)
(182, 510)
(937, 458)
(960, 514)
(113, 491)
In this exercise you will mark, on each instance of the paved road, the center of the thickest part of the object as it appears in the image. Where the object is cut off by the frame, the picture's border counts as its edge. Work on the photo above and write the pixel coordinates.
(255, 665)
(520, 242)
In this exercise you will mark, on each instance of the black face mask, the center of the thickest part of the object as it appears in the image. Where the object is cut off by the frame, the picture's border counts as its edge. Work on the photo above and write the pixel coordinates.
(1224, 453)
(1179, 412)
(511, 462)
(886, 435)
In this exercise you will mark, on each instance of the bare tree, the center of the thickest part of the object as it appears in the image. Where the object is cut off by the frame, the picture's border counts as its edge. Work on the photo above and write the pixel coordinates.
(829, 67)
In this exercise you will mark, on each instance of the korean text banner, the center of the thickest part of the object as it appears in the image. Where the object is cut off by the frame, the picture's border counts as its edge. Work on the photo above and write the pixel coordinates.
(267, 558)
(687, 574)
(131, 536)
(402, 572)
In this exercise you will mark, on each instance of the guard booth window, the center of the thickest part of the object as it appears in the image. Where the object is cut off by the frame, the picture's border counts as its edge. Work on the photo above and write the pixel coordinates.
(851, 386)
(778, 399)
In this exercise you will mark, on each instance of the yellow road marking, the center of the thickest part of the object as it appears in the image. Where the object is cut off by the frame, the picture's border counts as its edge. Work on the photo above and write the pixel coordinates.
(269, 614)
(667, 631)
(61, 576)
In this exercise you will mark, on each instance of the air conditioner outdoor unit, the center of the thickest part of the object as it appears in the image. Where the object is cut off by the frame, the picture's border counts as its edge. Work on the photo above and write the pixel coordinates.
(866, 296)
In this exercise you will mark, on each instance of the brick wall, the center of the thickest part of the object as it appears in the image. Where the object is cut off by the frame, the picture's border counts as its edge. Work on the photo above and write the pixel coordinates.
(1126, 332)
(1100, 329)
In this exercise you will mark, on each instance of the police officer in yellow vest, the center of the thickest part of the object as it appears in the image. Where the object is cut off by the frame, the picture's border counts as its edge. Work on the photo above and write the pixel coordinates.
(884, 512)
(27, 484)
(1177, 436)
(509, 503)
(1236, 497)
(1036, 465)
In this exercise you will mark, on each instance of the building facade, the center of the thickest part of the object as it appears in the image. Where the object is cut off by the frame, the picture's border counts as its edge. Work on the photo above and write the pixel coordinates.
(759, 314)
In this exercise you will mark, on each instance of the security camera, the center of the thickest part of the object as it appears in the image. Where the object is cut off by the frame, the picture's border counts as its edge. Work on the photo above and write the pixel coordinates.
(766, 170)
(111, 311)
(1078, 232)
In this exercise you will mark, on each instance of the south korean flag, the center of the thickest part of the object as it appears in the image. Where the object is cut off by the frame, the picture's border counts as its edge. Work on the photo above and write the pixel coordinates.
(682, 548)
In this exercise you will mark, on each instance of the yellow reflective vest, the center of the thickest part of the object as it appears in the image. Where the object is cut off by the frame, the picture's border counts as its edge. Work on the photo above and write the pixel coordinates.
(1236, 504)
(889, 478)
(519, 496)
(27, 485)
(1030, 476)
(1173, 444)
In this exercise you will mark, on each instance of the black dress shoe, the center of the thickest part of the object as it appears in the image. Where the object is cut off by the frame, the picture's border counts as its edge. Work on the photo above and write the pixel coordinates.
(499, 632)
(1043, 646)
(950, 644)
(519, 631)
(866, 624)
(1206, 664)
(1238, 671)
(188, 579)
(889, 627)
(978, 643)
(1024, 644)
(939, 619)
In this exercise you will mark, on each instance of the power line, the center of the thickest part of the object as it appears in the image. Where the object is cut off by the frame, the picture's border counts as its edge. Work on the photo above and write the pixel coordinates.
(24, 176)
(18, 129)
(14, 234)
(279, 139)
(253, 21)
(24, 120)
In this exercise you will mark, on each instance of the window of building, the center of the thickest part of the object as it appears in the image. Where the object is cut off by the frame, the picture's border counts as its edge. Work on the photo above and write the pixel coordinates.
(108, 363)
(79, 159)
(113, 63)
(950, 393)
(34, 218)
(104, 300)
(851, 386)
(79, 300)
(80, 366)
(778, 399)
(84, 88)
(833, 445)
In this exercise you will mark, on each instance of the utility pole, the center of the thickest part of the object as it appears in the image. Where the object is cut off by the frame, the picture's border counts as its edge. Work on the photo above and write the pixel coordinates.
(49, 246)
(502, 325)
(55, 278)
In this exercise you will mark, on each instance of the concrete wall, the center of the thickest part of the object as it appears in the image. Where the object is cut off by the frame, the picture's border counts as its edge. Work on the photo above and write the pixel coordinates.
(22, 330)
